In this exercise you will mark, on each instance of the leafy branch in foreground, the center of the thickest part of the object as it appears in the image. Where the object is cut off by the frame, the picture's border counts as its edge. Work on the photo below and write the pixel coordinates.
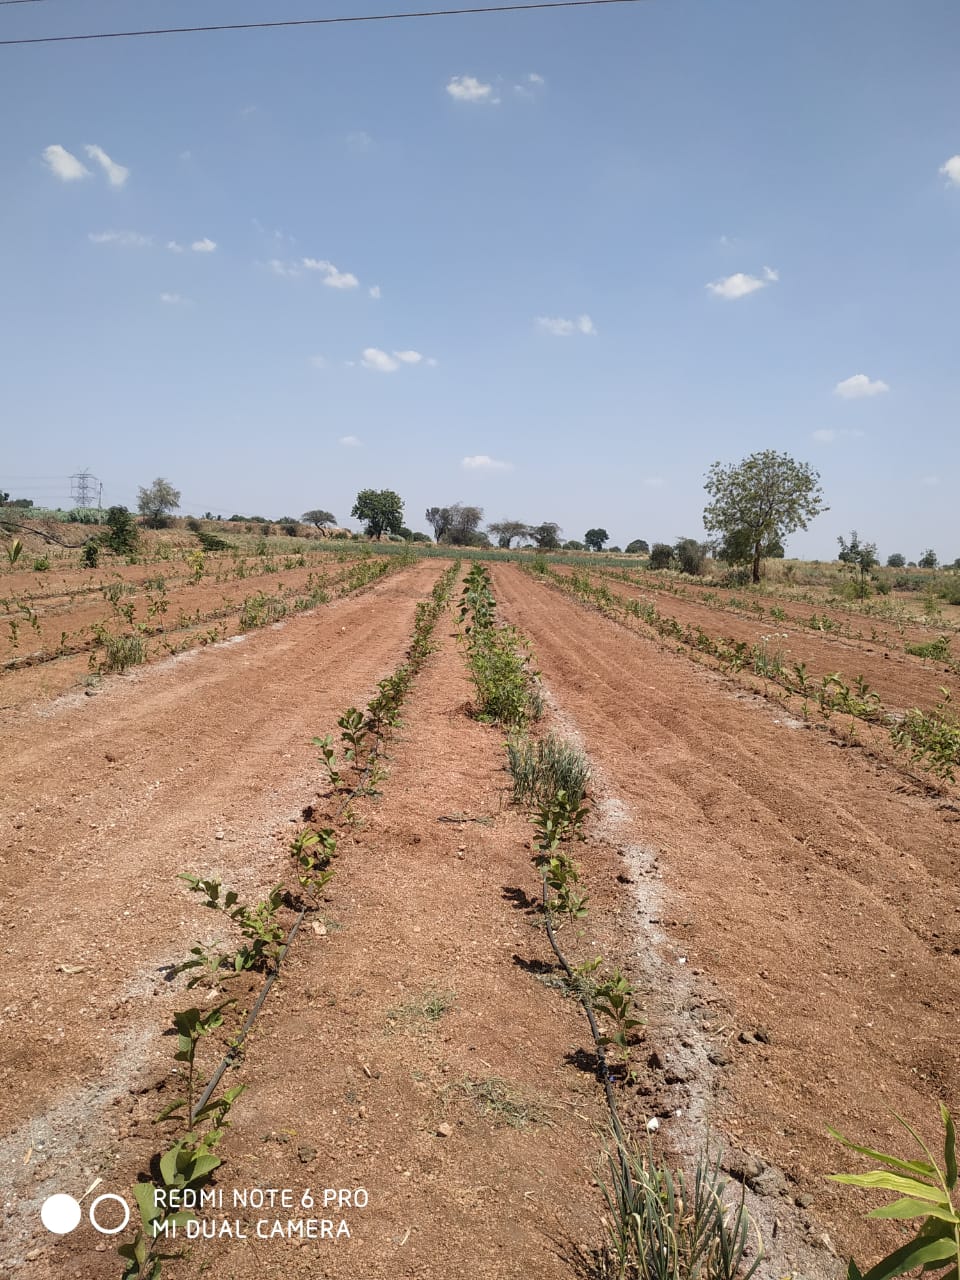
(924, 1191)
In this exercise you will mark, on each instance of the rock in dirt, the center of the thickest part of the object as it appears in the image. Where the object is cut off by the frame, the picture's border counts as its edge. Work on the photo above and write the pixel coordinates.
(444, 1130)
(743, 1167)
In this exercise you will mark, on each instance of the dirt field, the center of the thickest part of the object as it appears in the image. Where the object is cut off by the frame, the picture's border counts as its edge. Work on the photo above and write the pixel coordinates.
(788, 909)
(54, 627)
(901, 680)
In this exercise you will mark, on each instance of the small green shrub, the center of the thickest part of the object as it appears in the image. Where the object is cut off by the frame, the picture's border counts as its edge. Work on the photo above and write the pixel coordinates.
(661, 555)
(938, 650)
(90, 555)
(122, 536)
(41, 564)
(260, 611)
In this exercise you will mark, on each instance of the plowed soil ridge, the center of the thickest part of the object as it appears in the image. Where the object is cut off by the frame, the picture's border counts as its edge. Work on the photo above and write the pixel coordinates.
(194, 764)
(901, 681)
(819, 896)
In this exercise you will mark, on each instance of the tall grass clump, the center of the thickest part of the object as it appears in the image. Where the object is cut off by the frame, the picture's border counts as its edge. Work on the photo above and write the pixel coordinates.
(541, 769)
(663, 1225)
(121, 652)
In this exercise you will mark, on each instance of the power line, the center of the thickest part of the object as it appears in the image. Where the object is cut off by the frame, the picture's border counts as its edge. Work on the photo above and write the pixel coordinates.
(311, 22)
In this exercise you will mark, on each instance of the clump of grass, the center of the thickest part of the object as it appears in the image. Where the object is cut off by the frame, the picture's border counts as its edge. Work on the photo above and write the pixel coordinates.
(541, 769)
(663, 1225)
(430, 1006)
(496, 1099)
(260, 610)
(121, 652)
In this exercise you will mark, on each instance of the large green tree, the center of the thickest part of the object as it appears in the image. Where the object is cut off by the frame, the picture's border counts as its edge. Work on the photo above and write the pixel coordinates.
(546, 535)
(157, 500)
(506, 530)
(457, 524)
(381, 511)
(319, 517)
(766, 497)
(595, 538)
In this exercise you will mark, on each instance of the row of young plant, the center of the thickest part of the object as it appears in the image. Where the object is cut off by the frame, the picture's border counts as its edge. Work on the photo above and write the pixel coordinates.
(197, 562)
(650, 1229)
(195, 1122)
(936, 650)
(885, 609)
(662, 1224)
(931, 739)
(115, 651)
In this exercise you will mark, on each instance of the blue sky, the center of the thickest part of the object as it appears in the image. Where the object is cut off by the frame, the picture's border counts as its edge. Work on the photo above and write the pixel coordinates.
(542, 203)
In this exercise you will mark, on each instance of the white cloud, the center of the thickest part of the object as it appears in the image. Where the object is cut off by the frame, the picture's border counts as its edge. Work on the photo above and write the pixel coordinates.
(483, 462)
(389, 362)
(470, 89)
(350, 442)
(374, 358)
(318, 362)
(175, 300)
(859, 386)
(950, 170)
(654, 482)
(561, 328)
(374, 291)
(206, 245)
(739, 284)
(116, 173)
(279, 268)
(930, 481)
(825, 435)
(359, 140)
(128, 239)
(63, 165)
(529, 85)
(174, 247)
(331, 276)
(432, 362)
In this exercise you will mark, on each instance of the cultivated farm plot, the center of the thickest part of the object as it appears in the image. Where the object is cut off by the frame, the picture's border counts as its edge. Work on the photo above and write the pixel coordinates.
(60, 625)
(785, 909)
(900, 679)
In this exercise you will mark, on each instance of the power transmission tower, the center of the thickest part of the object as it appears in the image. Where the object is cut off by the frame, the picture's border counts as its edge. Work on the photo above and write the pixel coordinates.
(83, 488)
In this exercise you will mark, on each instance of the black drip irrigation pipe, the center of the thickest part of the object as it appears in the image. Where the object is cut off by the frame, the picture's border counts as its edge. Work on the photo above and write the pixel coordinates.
(231, 1055)
(591, 1018)
(584, 999)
